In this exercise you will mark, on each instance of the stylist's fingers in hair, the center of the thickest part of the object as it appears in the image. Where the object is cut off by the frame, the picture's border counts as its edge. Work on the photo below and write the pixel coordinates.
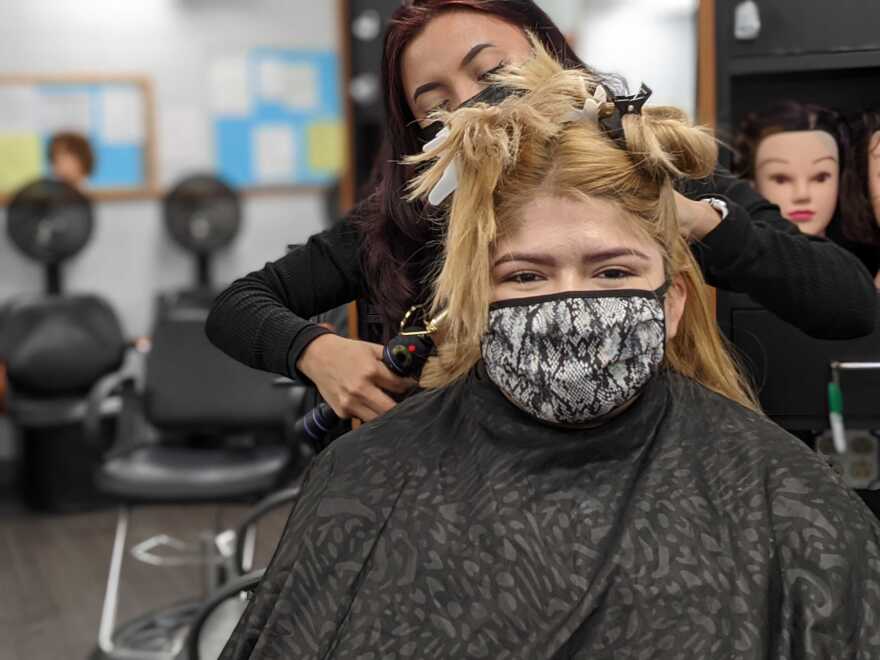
(387, 379)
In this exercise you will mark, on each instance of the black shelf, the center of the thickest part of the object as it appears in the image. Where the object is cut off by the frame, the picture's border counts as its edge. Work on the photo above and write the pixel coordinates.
(791, 63)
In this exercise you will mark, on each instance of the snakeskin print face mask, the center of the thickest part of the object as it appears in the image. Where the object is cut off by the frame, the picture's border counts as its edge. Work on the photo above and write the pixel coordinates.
(572, 357)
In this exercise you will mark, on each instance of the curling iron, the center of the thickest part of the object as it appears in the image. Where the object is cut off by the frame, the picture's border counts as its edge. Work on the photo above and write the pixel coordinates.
(405, 355)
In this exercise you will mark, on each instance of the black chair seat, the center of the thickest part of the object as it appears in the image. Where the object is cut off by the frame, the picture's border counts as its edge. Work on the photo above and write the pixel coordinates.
(163, 473)
(30, 412)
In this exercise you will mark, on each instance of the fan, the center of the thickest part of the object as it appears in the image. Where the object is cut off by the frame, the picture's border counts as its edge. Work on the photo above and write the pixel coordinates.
(50, 221)
(203, 215)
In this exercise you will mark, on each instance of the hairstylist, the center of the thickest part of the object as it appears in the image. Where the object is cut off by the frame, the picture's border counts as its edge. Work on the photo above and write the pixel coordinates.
(439, 53)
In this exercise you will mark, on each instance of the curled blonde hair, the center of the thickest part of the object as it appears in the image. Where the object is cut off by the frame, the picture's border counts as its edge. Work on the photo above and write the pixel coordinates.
(526, 146)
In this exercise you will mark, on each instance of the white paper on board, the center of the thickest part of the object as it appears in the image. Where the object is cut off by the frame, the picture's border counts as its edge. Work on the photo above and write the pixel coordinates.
(18, 109)
(229, 87)
(122, 116)
(301, 91)
(65, 111)
(274, 153)
(273, 81)
(185, 142)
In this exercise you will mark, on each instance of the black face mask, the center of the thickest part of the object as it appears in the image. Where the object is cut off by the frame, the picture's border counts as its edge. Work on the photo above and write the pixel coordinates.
(491, 95)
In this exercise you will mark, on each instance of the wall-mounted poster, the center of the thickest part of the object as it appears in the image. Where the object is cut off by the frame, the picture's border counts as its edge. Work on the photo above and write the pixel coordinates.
(113, 113)
(277, 117)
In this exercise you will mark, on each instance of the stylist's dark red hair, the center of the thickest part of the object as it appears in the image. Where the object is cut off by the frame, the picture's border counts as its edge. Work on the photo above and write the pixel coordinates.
(399, 245)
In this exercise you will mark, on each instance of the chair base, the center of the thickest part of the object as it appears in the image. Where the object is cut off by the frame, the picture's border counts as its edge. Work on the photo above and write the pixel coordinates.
(158, 635)
(161, 634)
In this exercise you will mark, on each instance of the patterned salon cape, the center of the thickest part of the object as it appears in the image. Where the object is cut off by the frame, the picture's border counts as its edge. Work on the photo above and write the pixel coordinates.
(459, 527)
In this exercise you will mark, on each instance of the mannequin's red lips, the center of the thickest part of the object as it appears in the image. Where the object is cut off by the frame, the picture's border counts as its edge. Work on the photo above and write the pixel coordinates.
(801, 216)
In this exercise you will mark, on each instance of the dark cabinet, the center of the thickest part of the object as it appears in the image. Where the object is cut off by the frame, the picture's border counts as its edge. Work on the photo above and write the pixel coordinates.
(813, 51)
(794, 27)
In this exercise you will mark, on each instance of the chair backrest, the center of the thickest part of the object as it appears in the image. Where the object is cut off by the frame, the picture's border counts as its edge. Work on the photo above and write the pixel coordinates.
(59, 345)
(791, 370)
(191, 385)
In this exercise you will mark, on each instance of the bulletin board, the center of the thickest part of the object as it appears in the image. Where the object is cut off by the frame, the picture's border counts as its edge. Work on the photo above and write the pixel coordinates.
(114, 112)
(278, 118)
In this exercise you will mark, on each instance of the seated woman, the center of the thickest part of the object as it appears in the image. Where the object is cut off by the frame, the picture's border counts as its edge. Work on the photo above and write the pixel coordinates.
(860, 192)
(586, 475)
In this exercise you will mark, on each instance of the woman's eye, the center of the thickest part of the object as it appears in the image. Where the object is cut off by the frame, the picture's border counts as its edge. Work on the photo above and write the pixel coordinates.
(523, 278)
(614, 274)
(822, 177)
(779, 179)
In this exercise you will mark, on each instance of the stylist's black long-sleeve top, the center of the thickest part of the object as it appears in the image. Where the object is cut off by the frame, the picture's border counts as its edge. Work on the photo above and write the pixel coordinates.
(814, 284)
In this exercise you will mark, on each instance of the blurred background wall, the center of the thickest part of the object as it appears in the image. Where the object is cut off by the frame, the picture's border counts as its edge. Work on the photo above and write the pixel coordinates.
(173, 42)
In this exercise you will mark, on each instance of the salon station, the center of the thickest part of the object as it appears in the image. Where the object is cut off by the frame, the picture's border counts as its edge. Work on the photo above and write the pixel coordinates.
(439, 329)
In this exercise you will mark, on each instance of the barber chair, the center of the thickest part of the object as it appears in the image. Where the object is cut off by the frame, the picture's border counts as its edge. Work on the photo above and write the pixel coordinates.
(792, 372)
(194, 427)
(56, 346)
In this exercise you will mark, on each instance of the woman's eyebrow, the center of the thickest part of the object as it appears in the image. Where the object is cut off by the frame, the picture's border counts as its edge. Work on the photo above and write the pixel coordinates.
(473, 52)
(593, 257)
(615, 253)
(467, 59)
(423, 89)
(530, 257)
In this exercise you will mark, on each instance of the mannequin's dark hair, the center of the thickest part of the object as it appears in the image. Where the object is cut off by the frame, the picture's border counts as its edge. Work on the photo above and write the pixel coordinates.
(783, 117)
(860, 224)
(399, 242)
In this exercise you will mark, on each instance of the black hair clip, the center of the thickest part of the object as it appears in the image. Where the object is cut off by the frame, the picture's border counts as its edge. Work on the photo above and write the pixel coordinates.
(632, 105)
(612, 125)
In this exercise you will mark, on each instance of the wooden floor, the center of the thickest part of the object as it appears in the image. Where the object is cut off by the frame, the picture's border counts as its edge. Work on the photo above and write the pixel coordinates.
(53, 571)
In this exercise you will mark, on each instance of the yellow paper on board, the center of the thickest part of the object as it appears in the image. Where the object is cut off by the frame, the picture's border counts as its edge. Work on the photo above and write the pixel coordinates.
(326, 151)
(21, 160)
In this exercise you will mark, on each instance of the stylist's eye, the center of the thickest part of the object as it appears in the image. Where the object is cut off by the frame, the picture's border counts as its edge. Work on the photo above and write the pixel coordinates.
(484, 77)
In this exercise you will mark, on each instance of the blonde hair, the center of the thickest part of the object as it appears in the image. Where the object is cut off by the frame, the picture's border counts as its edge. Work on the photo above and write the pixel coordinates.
(526, 146)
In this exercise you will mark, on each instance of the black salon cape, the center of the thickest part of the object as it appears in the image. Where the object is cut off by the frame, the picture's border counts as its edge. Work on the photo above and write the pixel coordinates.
(458, 527)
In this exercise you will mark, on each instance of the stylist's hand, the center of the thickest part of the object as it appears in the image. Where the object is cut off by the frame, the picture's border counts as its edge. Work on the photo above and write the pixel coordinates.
(351, 376)
(695, 219)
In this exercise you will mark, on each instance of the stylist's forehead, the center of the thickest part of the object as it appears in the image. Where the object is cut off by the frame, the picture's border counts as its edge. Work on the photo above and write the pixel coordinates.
(443, 64)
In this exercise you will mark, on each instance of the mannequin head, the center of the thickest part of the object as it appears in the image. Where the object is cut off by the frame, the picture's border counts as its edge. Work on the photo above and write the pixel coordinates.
(71, 158)
(792, 154)
(860, 187)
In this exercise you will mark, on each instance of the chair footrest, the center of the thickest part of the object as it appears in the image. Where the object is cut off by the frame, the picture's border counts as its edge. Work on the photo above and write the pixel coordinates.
(165, 550)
